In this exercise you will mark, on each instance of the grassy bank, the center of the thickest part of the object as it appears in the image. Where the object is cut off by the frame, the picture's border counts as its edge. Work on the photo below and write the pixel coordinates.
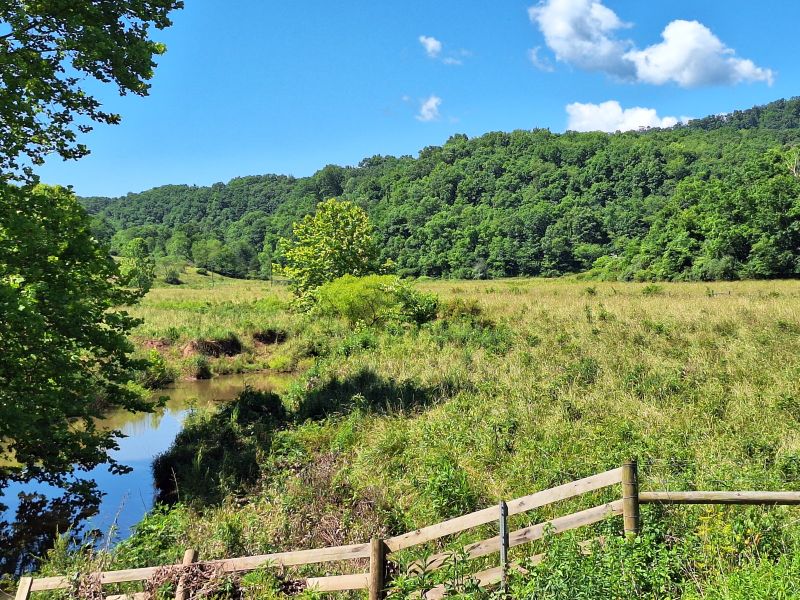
(213, 325)
(519, 385)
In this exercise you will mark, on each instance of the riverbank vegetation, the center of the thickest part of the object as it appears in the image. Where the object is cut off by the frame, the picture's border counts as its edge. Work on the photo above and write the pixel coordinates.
(516, 386)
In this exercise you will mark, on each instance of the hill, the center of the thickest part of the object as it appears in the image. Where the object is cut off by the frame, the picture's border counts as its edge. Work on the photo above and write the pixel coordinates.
(713, 199)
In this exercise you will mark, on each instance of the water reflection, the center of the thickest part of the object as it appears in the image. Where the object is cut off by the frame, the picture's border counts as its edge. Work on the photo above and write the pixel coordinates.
(35, 511)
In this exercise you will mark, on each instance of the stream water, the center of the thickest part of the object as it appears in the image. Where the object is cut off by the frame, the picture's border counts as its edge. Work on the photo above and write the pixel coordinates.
(128, 497)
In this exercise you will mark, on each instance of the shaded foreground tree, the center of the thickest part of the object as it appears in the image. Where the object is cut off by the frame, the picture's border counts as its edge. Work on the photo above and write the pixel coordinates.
(66, 358)
(47, 48)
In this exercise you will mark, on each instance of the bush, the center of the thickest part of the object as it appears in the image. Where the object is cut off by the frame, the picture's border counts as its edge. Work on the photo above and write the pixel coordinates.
(172, 277)
(375, 299)
(158, 373)
(415, 306)
(358, 299)
(652, 289)
(610, 572)
(202, 271)
(199, 368)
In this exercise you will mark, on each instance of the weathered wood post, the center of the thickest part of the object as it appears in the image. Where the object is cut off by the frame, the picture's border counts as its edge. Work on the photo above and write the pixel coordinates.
(630, 497)
(189, 557)
(377, 569)
(504, 543)
(24, 588)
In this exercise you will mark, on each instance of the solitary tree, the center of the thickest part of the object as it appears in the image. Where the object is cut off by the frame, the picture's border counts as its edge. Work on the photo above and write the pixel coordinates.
(138, 269)
(335, 241)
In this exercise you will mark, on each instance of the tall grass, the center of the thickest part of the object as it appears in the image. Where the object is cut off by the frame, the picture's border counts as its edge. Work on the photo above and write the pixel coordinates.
(518, 386)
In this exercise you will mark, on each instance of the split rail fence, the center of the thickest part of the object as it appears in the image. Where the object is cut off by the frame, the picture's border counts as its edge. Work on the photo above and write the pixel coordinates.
(378, 551)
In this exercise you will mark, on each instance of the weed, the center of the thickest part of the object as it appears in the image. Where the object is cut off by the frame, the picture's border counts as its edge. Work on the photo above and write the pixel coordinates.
(652, 289)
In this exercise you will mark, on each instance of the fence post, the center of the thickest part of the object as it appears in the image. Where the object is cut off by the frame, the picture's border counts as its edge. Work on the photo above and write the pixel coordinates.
(630, 497)
(24, 589)
(189, 557)
(504, 546)
(377, 569)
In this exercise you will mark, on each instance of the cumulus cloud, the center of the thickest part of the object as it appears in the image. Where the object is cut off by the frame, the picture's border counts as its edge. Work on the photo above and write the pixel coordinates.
(610, 116)
(433, 47)
(583, 33)
(691, 55)
(429, 109)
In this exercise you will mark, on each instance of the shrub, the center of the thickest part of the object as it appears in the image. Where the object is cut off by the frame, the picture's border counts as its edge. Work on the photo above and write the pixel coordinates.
(158, 373)
(172, 277)
(217, 453)
(202, 271)
(199, 367)
(652, 289)
(375, 299)
(447, 488)
(358, 299)
(623, 568)
(415, 306)
(361, 339)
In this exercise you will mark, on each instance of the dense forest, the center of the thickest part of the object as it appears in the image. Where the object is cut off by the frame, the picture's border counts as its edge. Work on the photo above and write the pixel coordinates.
(718, 198)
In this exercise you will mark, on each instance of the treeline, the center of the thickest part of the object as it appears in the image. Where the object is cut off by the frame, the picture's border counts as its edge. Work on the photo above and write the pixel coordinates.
(716, 199)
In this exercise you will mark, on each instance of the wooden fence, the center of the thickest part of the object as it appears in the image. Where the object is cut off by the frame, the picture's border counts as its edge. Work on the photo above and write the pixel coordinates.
(379, 551)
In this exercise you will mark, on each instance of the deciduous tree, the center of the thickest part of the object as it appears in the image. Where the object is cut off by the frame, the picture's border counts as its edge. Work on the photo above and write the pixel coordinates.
(47, 50)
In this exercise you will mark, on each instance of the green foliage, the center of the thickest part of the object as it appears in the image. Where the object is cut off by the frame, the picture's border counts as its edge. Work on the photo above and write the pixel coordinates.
(157, 539)
(698, 202)
(137, 267)
(369, 300)
(374, 299)
(217, 453)
(158, 373)
(336, 241)
(65, 354)
(642, 567)
(447, 488)
(58, 46)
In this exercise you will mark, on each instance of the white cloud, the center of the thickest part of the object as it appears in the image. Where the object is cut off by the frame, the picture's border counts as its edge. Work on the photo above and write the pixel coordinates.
(433, 47)
(582, 33)
(539, 62)
(610, 116)
(429, 109)
(691, 55)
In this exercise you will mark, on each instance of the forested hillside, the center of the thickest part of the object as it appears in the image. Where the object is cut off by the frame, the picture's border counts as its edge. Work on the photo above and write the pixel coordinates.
(716, 199)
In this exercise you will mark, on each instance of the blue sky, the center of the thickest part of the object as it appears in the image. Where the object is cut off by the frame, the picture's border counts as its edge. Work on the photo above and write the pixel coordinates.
(259, 86)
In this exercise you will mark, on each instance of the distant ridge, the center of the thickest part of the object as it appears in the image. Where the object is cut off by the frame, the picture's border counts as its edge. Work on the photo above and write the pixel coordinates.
(711, 199)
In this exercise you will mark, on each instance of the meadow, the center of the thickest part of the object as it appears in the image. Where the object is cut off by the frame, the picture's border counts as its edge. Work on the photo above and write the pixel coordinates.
(518, 385)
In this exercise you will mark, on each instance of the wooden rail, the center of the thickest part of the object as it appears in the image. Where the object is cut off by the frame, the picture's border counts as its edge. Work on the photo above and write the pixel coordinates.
(378, 550)
(765, 498)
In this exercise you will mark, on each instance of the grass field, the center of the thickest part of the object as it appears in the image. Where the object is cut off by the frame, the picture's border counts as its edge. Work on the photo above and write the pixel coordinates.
(519, 385)
(212, 307)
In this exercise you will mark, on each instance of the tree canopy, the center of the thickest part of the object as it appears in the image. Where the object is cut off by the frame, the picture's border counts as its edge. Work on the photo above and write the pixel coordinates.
(47, 48)
(717, 198)
(335, 241)
(66, 357)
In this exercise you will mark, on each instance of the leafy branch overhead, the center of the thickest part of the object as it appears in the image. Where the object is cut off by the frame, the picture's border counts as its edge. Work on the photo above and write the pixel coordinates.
(46, 53)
